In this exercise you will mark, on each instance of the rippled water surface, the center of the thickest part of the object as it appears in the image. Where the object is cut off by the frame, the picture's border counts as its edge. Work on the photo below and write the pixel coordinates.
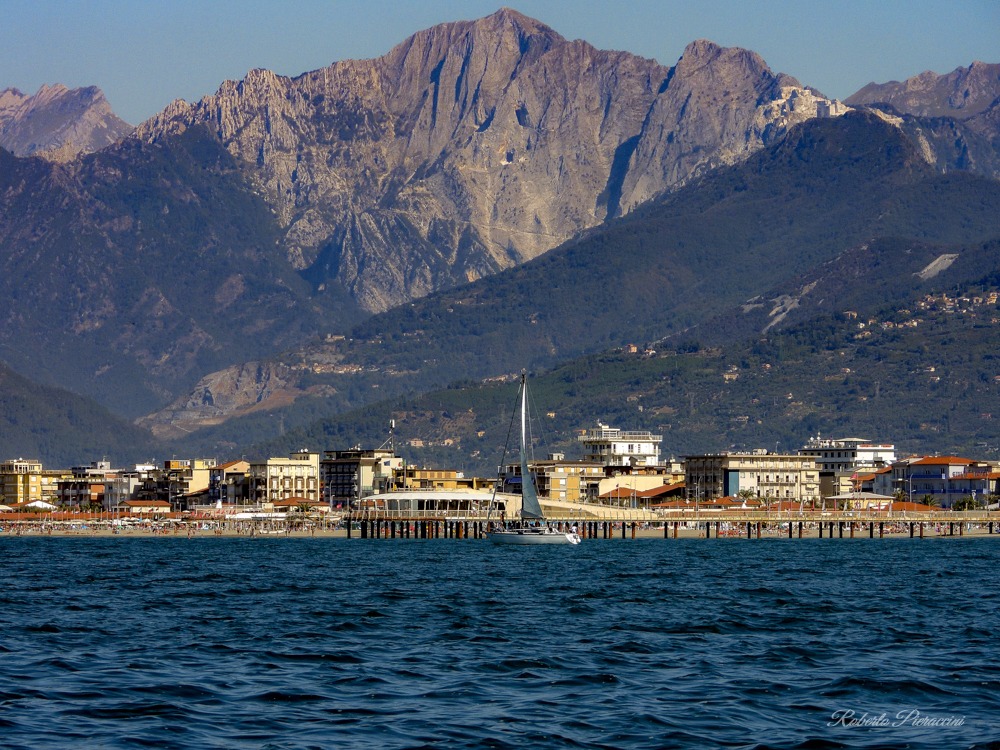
(318, 643)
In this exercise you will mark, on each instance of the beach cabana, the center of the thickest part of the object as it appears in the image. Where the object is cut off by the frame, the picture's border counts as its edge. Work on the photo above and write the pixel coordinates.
(40, 504)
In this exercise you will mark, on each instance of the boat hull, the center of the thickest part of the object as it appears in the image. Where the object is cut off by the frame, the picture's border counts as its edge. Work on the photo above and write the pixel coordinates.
(532, 536)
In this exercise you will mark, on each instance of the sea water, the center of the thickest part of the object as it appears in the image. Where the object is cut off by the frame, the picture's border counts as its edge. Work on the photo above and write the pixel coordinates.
(334, 643)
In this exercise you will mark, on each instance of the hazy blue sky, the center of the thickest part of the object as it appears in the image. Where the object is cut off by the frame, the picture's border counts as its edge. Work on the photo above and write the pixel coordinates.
(144, 54)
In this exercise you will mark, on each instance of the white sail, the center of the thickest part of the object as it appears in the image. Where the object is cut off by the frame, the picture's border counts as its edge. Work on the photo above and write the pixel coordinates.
(528, 532)
(531, 510)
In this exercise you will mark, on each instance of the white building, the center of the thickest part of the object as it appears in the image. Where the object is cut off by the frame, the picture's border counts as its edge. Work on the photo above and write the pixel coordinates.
(848, 454)
(943, 480)
(283, 478)
(609, 446)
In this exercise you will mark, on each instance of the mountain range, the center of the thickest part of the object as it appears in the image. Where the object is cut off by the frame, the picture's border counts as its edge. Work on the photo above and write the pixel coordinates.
(496, 195)
(797, 232)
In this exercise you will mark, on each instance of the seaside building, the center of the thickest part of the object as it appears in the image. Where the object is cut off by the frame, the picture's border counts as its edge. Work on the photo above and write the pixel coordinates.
(125, 484)
(409, 477)
(186, 479)
(789, 477)
(559, 479)
(943, 480)
(180, 482)
(641, 479)
(23, 481)
(843, 462)
(227, 483)
(347, 476)
(631, 497)
(87, 486)
(281, 478)
(151, 508)
(847, 454)
(610, 446)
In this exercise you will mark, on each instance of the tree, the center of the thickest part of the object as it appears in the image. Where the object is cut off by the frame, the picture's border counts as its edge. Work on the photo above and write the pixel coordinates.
(966, 503)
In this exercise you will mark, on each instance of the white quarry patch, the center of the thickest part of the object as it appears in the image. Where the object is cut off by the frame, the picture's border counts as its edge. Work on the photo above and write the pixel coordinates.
(891, 119)
(786, 303)
(939, 264)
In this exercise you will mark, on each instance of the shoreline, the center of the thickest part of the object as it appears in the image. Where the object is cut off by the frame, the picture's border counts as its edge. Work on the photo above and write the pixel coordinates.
(91, 532)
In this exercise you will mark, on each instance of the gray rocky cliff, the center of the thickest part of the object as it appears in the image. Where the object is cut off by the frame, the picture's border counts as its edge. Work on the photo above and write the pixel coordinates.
(474, 146)
(58, 123)
(955, 118)
(962, 93)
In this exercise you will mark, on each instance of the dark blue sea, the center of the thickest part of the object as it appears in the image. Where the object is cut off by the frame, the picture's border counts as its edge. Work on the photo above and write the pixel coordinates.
(333, 643)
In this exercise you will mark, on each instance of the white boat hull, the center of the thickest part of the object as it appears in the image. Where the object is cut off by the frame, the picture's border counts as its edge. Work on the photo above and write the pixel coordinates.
(533, 536)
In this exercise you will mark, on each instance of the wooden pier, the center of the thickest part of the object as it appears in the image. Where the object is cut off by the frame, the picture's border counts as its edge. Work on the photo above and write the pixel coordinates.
(746, 524)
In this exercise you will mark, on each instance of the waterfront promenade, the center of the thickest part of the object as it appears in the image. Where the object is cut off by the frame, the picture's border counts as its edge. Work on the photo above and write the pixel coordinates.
(627, 525)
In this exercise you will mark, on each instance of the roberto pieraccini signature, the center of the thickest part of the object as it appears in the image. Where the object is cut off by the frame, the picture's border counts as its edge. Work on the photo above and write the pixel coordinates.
(911, 717)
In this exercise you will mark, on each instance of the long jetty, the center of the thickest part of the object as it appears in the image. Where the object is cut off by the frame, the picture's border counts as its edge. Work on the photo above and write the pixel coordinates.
(709, 524)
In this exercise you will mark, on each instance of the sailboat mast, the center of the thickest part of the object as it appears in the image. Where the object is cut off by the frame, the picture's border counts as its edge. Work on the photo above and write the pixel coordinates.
(524, 419)
(530, 507)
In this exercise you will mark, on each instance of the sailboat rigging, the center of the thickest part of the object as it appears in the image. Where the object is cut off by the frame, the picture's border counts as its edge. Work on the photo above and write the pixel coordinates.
(531, 527)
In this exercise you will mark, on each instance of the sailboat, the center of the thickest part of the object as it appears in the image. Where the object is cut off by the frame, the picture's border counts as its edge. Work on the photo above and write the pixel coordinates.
(531, 528)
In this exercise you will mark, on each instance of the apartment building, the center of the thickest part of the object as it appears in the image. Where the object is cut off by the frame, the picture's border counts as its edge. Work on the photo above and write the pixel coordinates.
(764, 475)
(943, 480)
(282, 478)
(349, 475)
(227, 483)
(25, 481)
(610, 446)
(843, 461)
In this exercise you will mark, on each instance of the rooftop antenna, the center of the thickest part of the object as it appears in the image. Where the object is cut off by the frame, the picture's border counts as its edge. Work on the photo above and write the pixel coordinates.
(389, 442)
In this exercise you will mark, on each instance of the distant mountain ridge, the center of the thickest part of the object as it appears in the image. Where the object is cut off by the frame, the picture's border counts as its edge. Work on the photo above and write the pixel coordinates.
(962, 93)
(955, 118)
(476, 145)
(215, 269)
(58, 123)
(779, 222)
(280, 210)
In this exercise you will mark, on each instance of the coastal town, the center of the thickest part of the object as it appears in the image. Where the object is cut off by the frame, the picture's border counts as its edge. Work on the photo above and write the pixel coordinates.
(621, 474)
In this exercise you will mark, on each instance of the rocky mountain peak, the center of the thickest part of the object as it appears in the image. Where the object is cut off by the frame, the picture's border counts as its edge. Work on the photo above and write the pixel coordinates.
(476, 145)
(963, 93)
(521, 24)
(702, 52)
(58, 123)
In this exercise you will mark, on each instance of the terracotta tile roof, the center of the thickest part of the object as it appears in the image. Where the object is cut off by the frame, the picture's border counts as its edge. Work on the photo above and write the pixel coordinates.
(662, 490)
(976, 475)
(293, 502)
(622, 492)
(941, 461)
